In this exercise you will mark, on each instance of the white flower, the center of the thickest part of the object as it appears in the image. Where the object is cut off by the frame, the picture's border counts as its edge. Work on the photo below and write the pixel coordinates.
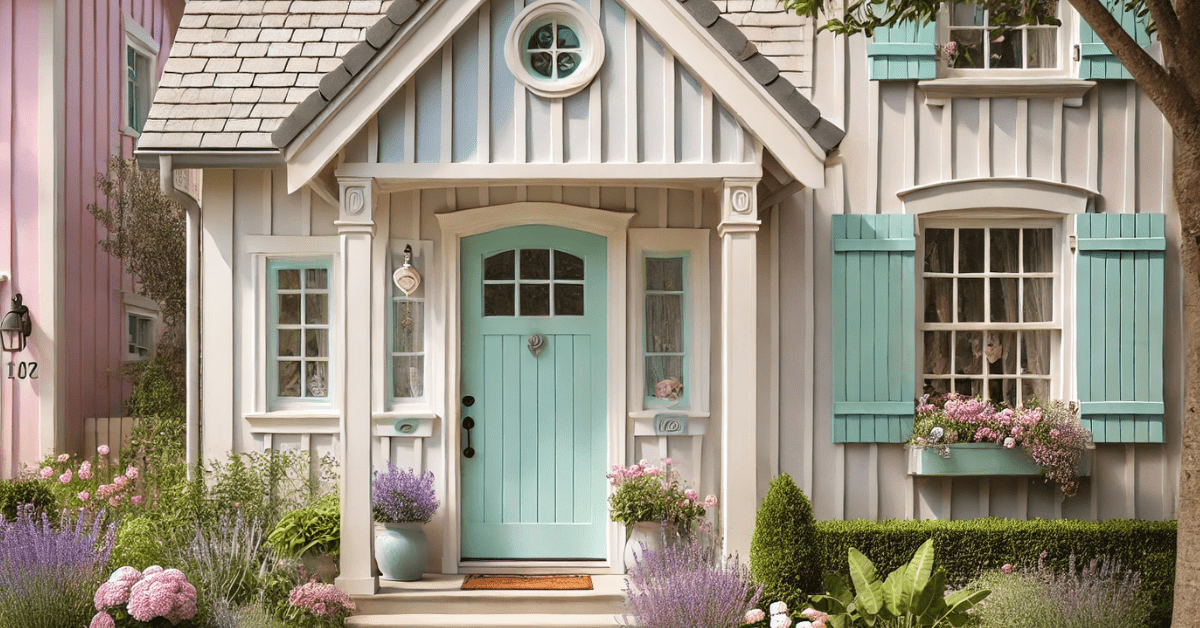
(778, 608)
(935, 434)
(1009, 443)
(804, 624)
(781, 621)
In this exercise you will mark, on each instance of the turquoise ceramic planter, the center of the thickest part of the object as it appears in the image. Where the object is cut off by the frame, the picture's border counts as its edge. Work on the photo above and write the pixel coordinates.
(984, 459)
(402, 551)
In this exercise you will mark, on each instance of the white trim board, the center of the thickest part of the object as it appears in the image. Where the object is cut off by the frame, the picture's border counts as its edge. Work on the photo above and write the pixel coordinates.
(460, 224)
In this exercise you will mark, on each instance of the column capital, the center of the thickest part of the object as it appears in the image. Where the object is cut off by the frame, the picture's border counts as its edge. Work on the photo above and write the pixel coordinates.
(739, 206)
(356, 213)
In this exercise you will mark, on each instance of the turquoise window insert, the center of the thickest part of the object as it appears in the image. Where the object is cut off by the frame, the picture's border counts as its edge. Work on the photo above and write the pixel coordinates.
(665, 342)
(299, 328)
(553, 49)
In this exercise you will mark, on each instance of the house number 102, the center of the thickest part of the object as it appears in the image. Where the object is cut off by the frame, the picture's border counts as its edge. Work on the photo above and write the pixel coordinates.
(23, 370)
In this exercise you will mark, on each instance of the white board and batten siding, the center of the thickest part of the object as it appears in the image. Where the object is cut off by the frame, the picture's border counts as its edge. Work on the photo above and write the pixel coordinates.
(1110, 152)
(464, 106)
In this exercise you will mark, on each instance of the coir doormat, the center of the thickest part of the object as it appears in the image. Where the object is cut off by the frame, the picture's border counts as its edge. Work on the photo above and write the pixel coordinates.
(527, 583)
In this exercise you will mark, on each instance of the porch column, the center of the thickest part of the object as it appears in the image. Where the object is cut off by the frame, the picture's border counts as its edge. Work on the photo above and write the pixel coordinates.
(356, 228)
(738, 231)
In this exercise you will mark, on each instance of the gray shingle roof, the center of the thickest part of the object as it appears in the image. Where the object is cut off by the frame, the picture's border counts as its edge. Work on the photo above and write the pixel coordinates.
(251, 74)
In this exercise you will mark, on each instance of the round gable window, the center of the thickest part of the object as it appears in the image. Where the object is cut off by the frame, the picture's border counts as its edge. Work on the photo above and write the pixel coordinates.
(554, 48)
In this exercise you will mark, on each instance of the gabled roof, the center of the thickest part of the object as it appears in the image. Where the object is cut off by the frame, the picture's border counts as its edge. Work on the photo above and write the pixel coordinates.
(253, 74)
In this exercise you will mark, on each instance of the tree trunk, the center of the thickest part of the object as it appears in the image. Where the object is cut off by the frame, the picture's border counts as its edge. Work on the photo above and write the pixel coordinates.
(1187, 565)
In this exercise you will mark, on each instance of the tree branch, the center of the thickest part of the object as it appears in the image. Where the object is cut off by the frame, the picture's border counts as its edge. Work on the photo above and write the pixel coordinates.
(1168, 25)
(1168, 91)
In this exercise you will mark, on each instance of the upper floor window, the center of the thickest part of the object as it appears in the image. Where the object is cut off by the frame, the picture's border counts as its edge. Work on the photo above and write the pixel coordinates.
(990, 326)
(554, 48)
(141, 63)
(141, 327)
(300, 322)
(1021, 35)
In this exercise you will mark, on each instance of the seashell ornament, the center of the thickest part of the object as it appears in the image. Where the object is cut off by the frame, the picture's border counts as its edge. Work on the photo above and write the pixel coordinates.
(406, 277)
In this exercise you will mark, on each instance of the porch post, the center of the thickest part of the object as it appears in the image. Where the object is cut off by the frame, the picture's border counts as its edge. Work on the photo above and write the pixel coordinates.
(356, 228)
(738, 231)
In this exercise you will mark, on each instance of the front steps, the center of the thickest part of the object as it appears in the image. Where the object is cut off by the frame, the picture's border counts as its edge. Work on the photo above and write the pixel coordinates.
(439, 602)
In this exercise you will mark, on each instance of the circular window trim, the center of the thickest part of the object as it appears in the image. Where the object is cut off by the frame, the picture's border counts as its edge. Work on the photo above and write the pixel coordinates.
(592, 49)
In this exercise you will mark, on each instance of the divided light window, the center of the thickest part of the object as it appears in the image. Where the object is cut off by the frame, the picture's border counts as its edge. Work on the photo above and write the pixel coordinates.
(665, 344)
(1020, 35)
(141, 62)
(300, 321)
(989, 325)
(139, 337)
(407, 351)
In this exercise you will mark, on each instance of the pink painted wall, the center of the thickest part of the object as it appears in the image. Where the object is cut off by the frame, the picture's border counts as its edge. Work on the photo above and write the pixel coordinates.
(94, 35)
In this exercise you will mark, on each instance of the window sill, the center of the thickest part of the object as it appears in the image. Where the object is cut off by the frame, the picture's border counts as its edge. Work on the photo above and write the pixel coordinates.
(293, 422)
(1071, 90)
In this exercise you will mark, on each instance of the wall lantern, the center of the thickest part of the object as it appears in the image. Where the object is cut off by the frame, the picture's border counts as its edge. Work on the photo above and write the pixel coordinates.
(15, 327)
(406, 277)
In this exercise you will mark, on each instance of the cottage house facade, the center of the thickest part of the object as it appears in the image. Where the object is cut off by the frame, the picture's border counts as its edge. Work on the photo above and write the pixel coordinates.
(516, 243)
(77, 80)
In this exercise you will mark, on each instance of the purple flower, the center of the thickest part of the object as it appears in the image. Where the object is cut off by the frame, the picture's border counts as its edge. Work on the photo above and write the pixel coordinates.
(36, 556)
(401, 496)
(688, 584)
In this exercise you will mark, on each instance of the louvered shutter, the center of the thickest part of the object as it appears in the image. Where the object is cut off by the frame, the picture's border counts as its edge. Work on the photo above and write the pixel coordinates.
(1119, 312)
(904, 51)
(1095, 60)
(874, 328)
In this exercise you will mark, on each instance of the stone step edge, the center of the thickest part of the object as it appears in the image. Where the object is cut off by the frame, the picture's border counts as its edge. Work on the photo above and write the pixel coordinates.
(489, 621)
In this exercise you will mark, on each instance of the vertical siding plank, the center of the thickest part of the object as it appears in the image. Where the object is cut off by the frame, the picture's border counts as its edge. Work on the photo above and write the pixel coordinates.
(512, 430)
(1083, 319)
(546, 427)
(1112, 308)
(529, 433)
(631, 88)
(1141, 322)
(484, 90)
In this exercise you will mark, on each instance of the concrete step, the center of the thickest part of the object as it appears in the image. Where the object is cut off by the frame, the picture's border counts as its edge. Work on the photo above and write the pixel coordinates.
(473, 620)
(438, 594)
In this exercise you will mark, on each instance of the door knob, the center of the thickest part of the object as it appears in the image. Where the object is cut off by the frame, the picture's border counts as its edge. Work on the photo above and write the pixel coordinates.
(468, 401)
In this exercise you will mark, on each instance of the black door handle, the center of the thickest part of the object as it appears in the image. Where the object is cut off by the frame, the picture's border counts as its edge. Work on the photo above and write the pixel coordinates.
(468, 423)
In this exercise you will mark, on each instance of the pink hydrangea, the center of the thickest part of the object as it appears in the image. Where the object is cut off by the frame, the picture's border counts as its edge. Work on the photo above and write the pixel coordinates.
(710, 502)
(65, 478)
(137, 500)
(102, 620)
(84, 496)
(115, 592)
(322, 600)
(131, 472)
(64, 457)
(754, 616)
(103, 450)
(46, 473)
(85, 470)
(162, 593)
(120, 480)
(114, 501)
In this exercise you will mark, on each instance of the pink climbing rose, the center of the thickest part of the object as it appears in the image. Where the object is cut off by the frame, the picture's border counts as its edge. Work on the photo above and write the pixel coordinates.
(103, 450)
(46, 473)
(64, 457)
(85, 470)
(131, 472)
(84, 496)
(65, 478)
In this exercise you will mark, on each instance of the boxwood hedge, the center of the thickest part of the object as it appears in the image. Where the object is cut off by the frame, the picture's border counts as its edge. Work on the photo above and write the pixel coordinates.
(966, 548)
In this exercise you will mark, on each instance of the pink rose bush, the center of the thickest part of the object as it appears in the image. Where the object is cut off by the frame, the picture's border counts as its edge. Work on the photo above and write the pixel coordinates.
(75, 482)
(144, 596)
(1050, 432)
(645, 492)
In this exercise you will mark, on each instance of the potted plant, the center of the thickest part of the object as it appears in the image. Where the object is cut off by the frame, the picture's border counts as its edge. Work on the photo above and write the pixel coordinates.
(1045, 439)
(312, 535)
(403, 502)
(649, 501)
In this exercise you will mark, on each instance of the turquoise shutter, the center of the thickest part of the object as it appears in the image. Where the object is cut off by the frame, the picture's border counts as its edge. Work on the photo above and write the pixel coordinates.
(874, 328)
(1119, 312)
(1095, 60)
(904, 51)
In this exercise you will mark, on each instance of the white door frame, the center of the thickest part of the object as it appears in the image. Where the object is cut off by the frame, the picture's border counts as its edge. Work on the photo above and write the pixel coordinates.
(468, 222)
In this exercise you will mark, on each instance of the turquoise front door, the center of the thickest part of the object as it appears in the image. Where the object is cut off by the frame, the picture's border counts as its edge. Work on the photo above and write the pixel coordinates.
(534, 386)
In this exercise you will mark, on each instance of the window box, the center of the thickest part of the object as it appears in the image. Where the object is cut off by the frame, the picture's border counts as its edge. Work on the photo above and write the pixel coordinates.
(981, 459)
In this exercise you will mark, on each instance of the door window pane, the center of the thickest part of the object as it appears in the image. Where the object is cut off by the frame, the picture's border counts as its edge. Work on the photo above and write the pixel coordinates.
(500, 266)
(568, 299)
(498, 300)
(535, 264)
(567, 266)
(535, 299)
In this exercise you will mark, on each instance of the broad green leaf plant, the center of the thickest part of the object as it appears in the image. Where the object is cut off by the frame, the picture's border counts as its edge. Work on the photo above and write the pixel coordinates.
(911, 596)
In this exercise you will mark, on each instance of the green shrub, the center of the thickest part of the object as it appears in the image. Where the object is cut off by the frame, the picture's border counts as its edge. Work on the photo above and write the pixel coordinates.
(138, 544)
(786, 550)
(968, 548)
(17, 493)
(317, 528)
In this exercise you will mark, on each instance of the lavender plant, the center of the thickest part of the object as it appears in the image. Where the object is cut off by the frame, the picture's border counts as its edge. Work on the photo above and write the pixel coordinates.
(1101, 593)
(48, 572)
(404, 496)
(226, 561)
(688, 584)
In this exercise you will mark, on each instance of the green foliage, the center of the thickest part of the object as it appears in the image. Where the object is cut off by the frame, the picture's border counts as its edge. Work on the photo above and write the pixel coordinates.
(968, 548)
(864, 16)
(786, 548)
(17, 493)
(1101, 593)
(909, 596)
(316, 528)
(137, 545)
